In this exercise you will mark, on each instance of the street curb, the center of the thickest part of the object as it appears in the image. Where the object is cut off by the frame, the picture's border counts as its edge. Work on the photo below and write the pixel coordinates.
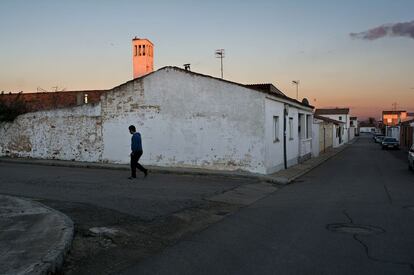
(175, 170)
(152, 169)
(53, 261)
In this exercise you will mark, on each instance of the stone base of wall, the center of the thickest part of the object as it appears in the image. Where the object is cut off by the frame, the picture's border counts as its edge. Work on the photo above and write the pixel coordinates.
(305, 157)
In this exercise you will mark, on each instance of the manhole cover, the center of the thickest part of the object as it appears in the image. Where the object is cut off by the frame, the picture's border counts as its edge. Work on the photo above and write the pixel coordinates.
(354, 229)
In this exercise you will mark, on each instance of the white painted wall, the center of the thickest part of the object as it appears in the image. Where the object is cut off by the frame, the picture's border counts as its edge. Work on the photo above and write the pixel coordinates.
(334, 136)
(346, 126)
(315, 138)
(186, 120)
(274, 149)
(66, 134)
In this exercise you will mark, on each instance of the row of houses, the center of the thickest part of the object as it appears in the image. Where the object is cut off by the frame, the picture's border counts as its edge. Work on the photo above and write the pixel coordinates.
(398, 124)
(186, 119)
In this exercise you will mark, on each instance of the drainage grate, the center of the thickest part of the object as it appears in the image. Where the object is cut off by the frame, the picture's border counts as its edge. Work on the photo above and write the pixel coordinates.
(358, 229)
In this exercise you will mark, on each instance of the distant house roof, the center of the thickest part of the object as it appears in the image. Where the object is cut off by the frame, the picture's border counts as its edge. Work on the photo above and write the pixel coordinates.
(268, 87)
(392, 112)
(52, 100)
(353, 118)
(334, 111)
(337, 122)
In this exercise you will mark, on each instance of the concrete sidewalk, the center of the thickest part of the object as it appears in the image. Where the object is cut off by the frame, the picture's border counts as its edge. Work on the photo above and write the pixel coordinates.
(33, 238)
(282, 177)
(299, 170)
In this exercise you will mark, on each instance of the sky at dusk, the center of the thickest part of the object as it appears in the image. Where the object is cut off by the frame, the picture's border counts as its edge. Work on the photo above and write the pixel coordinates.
(86, 44)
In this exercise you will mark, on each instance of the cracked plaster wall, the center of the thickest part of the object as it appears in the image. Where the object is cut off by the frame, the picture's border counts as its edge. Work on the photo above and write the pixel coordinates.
(186, 120)
(66, 134)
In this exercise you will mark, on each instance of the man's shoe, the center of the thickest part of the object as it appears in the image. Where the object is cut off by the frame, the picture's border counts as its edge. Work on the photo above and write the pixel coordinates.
(131, 178)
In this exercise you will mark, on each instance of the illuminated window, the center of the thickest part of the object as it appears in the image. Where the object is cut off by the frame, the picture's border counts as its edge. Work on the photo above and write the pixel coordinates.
(85, 98)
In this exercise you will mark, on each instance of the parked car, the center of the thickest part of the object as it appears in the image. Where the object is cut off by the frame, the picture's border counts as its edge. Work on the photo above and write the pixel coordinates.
(411, 158)
(378, 138)
(390, 142)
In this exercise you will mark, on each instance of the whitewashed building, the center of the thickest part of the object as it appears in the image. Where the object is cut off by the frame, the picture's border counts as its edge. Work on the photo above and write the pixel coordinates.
(343, 134)
(353, 127)
(186, 119)
(325, 134)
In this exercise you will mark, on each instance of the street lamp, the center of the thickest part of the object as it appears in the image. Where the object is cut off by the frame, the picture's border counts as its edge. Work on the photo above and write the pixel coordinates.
(296, 82)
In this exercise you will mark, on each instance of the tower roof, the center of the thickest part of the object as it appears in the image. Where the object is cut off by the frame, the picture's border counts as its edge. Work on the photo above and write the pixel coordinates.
(137, 38)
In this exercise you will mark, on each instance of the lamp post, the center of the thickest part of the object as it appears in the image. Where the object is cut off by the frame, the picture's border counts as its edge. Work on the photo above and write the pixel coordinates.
(296, 82)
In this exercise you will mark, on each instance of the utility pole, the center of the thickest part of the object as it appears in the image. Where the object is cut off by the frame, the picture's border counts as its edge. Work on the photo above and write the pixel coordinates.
(394, 106)
(220, 54)
(296, 82)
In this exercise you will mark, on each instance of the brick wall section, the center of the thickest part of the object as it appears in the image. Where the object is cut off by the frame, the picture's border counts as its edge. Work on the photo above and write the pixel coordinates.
(53, 100)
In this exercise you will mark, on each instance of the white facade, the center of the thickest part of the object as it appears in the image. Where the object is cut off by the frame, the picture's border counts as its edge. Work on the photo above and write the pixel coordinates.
(185, 119)
(343, 130)
(298, 147)
(315, 137)
(337, 139)
(190, 120)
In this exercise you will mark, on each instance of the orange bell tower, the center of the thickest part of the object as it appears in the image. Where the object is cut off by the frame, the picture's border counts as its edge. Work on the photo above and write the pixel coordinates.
(142, 56)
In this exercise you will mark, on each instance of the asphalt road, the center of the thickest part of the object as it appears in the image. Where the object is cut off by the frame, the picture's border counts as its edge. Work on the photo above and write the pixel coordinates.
(156, 196)
(148, 215)
(352, 215)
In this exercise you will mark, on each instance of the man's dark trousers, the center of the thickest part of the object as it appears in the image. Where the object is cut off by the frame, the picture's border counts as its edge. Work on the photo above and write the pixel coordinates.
(135, 156)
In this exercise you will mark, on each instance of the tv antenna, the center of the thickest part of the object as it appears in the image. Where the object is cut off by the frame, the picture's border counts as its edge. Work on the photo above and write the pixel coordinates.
(296, 82)
(220, 54)
(39, 89)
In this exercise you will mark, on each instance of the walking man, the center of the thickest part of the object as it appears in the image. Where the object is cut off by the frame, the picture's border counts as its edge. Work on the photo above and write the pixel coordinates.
(136, 153)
